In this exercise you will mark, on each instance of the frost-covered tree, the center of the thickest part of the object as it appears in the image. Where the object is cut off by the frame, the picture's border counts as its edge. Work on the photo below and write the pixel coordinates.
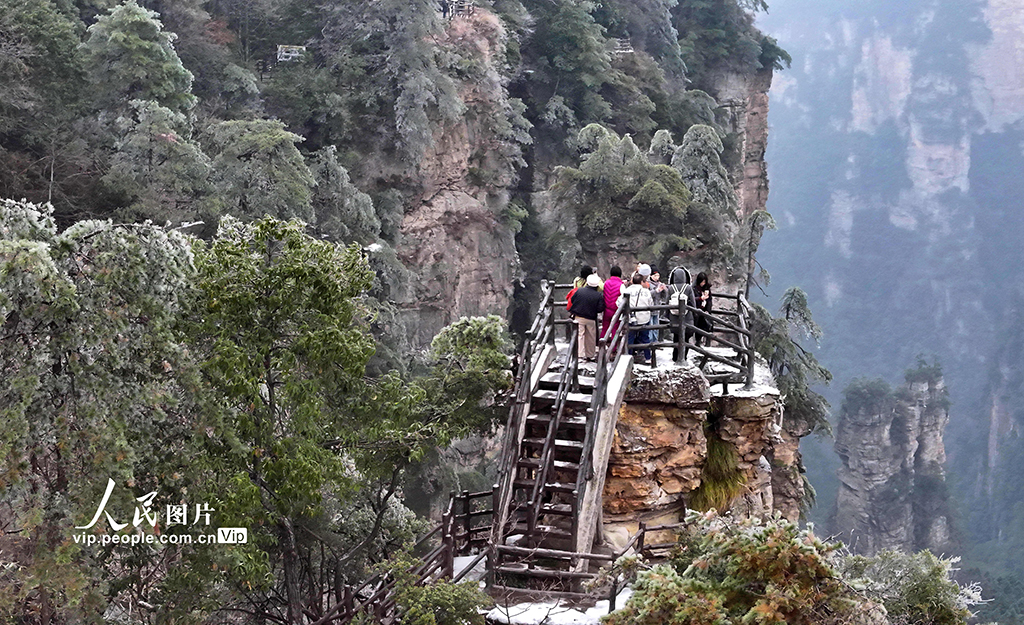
(258, 170)
(342, 212)
(698, 160)
(156, 165)
(129, 56)
(90, 369)
(796, 370)
(616, 189)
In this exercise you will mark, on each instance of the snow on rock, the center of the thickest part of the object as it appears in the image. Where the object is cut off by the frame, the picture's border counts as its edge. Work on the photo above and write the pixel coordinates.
(553, 612)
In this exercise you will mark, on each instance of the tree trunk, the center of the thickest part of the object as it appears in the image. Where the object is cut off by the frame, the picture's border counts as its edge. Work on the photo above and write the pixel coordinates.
(292, 573)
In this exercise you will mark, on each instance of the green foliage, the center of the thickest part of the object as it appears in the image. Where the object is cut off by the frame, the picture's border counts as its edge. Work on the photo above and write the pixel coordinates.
(90, 365)
(924, 372)
(257, 171)
(437, 603)
(39, 65)
(720, 35)
(914, 588)
(721, 479)
(276, 323)
(698, 161)
(388, 48)
(155, 165)
(128, 56)
(470, 365)
(739, 572)
(575, 81)
(867, 397)
(342, 212)
(795, 369)
(514, 215)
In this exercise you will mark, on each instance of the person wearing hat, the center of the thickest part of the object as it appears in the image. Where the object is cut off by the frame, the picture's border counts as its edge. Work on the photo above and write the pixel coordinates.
(587, 303)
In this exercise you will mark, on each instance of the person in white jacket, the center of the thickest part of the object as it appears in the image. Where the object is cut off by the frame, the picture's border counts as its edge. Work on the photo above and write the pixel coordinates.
(639, 296)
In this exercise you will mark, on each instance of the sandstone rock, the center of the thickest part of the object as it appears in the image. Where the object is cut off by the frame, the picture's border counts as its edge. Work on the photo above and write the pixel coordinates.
(892, 454)
(682, 386)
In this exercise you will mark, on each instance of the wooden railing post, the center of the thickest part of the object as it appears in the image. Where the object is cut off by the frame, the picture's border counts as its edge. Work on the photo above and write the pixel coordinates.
(467, 521)
(642, 531)
(741, 308)
(448, 555)
(681, 336)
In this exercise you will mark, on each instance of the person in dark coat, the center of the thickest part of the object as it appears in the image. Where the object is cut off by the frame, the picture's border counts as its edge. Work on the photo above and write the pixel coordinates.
(587, 303)
(680, 290)
(702, 293)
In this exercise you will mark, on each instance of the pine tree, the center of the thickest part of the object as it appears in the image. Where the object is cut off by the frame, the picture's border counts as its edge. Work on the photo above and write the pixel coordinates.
(128, 56)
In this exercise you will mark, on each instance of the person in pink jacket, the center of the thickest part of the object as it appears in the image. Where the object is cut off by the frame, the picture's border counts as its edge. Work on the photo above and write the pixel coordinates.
(612, 288)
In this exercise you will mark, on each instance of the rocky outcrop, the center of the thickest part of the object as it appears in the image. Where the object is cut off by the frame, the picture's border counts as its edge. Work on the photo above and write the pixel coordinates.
(744, 98)
(660, 449)
(749, 422)
(892, 491)
(454, 239)
(659, 446)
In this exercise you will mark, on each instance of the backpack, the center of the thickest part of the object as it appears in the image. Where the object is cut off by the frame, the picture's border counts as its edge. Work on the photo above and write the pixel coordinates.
(640, 318)
(568, 298)
(677, 292)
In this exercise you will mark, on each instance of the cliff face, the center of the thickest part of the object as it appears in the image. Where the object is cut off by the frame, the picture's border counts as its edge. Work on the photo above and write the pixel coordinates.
(744, 98)
(892, 493)
(454, 238)
(660, 450)
(895, 159)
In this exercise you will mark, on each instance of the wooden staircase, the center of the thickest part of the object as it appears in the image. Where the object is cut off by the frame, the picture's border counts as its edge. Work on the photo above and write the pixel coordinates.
(540, 546)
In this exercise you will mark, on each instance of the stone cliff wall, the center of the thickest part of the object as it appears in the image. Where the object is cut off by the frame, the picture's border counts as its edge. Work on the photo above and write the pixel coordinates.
(454, 240)
(660, 449)
(744, 97)
(892, 491)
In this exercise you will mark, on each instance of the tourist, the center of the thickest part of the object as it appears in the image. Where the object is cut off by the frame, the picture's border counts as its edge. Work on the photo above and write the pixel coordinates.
(612, 290)
(659, 294)
(581, 280)
(702, 293)
(638, 296)
(586, 304)
(680, 291)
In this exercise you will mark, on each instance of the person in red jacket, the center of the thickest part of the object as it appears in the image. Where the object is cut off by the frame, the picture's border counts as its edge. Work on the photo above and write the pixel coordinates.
(612, 289)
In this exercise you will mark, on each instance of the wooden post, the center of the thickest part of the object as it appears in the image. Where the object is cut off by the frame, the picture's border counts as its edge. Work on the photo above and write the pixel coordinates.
(613, 595)
(449, 556)
(349, 602)
(681, 336)
(467, 521)
(642, 531)
(654, 350)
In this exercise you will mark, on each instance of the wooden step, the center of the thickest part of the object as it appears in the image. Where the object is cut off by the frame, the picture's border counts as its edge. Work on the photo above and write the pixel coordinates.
(522, 569)
(573, 421)
(557, 465)
(580, 399)
(553, 487)
(563, 509)
(552, 378)
(559, 443)
(549, 531)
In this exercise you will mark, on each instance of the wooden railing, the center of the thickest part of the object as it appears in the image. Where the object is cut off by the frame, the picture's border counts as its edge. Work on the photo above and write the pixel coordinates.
(541, 332)
(637, 543)
(567, 380)
(731, 333)
(461, 533)
(609, 348)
